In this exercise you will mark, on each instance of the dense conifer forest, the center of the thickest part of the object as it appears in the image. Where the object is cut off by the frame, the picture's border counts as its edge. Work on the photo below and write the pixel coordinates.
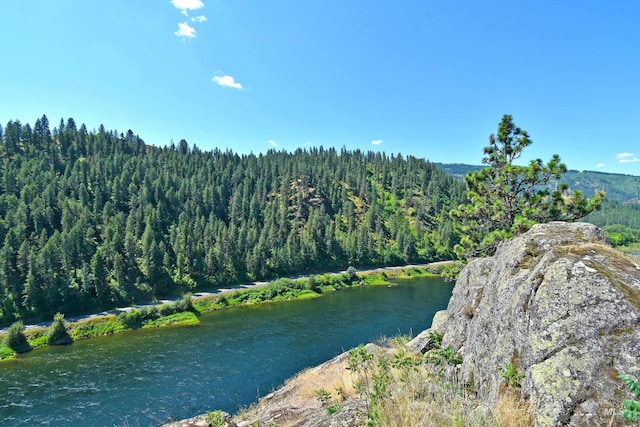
(95, 219)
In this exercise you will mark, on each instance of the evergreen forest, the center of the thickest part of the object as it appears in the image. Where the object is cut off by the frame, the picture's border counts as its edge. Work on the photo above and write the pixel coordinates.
(95, 219)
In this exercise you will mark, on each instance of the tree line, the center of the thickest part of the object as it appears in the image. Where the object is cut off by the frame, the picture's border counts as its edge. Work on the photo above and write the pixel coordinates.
(94, 219)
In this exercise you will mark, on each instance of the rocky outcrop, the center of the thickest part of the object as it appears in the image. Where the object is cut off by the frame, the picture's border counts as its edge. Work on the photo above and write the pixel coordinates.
(561, 306)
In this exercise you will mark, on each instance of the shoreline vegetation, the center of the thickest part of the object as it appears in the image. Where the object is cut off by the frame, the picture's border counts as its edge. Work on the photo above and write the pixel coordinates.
(631, 248)
(186, 310)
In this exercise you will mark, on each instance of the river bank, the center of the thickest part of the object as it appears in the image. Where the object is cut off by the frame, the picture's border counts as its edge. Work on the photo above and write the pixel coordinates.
(181, 312)
(147, 377)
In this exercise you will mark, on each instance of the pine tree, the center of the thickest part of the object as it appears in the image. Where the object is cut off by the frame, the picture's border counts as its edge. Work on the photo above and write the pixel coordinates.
(506, 199)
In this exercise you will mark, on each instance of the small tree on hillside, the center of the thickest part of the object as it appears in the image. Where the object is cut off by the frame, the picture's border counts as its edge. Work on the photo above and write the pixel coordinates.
(506, 199)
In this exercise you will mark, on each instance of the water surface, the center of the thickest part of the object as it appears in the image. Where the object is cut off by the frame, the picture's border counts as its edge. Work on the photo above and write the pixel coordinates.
(147, 377)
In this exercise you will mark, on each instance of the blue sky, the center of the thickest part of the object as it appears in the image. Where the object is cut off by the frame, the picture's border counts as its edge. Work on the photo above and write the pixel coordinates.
(426, 78)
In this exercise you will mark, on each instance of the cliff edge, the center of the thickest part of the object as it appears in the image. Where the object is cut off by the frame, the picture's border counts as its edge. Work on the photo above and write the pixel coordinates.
(561, 306)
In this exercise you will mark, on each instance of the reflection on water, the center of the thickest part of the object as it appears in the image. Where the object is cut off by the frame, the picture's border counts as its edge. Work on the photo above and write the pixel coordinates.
(146, 377)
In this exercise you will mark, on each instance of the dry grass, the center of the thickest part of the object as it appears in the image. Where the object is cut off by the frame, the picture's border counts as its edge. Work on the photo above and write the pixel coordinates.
(433, 396)
(296, 401)
(329, 376)
(434, 399)
(512, 410)
(418, 395)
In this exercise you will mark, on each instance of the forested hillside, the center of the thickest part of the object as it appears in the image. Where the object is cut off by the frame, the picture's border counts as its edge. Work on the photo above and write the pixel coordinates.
(91, 220)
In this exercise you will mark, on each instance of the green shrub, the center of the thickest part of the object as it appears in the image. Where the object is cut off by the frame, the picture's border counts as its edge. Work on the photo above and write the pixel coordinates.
(6, 352)
(450, 272)
(323, 396)
(204, 305)
(376, 280)
(351, 275)
(216, 419)
(97, 327)
(15, 338)
(185, 318)
(58, 334)
(184, 304)
(443, 356)
(166, 310)
(360, 363)
(222, 301)
(312, 285)
(331, 281)
(37, 338)
(631, 409)
(436, 338)
(307, 294)
(510, 375)
(134, 319)
(131, 319)
(333, 408)
(332, 405)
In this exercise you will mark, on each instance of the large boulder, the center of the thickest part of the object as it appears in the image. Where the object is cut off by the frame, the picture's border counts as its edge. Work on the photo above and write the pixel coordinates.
(560, 305)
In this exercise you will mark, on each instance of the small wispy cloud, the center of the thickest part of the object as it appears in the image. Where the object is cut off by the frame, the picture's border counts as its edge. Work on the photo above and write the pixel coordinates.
(272, 143)
(377, 141)
(227, 81)
(627, 158)
(185, 31)
(186, 5)
(600, 165)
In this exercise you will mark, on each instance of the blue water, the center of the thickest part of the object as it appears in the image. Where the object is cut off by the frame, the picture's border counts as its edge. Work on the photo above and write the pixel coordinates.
(148, 377)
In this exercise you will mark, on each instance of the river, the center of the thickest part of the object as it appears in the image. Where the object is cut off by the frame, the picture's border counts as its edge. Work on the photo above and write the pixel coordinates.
(146, 377)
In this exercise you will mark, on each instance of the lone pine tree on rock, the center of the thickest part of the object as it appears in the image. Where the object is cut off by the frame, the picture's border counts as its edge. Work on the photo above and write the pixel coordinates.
(506, 199)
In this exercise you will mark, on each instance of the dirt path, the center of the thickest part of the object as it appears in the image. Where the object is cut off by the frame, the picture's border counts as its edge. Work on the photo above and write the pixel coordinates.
(219, 291)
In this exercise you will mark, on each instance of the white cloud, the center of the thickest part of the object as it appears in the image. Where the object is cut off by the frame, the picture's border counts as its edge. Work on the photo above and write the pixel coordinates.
(600, 165)
(185, 5)
(185, 31)
(377, 141)
(227, 81)
(627, 158)
(273, 143)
